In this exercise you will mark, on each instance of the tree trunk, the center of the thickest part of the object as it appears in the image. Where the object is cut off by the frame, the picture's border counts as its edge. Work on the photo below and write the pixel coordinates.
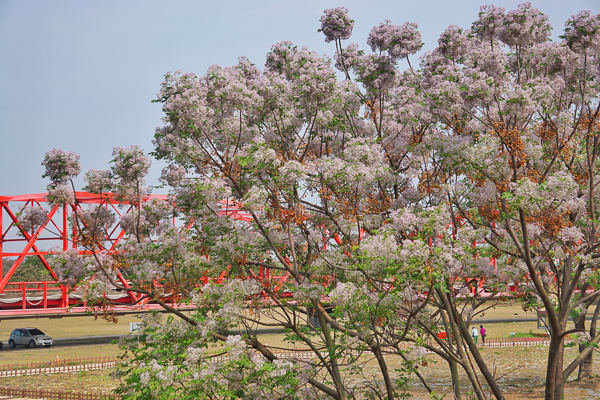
(389, 387)
(559, 388)
(586, 350)
(489, 378)
(580, 324)
(586, 367)
(455, 379)
(472, 376)
(451, 363)
(459, 340)
(569, 370)
(335, 375)
(551, 367)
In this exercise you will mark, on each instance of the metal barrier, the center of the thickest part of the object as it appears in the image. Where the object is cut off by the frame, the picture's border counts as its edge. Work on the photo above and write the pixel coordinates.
(57, 370)
(55, 394)
(60, 363)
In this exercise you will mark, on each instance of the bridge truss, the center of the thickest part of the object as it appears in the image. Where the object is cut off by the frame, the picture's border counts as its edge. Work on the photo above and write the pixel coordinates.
(57, 232)
(52, 297)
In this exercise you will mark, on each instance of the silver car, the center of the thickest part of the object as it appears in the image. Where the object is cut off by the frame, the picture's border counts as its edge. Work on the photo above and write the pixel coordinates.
(29, 337)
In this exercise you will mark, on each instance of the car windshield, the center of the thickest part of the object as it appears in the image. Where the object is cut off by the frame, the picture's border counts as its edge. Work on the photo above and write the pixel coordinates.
(34, 332)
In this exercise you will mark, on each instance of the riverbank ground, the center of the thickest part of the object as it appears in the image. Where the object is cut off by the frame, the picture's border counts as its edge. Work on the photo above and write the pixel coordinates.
(521, 369)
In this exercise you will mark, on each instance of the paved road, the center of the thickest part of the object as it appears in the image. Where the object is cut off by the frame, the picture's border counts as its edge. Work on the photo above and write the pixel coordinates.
(77, 341)
(89, 340)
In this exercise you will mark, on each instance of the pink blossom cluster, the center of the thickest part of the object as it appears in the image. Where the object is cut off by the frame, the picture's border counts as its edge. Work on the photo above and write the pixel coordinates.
(571, 234)
(308, 292)
(61, 166)
(525, 26)
(281, 368)
(130, 165)
(94, 288)
(376, 72)
(336, 24)
(582, 32)
(489, 23)
(398, 41)
(228, 298)
(144, 222)
(194, 354)
(292, 172)
(97, 220)
(453, 43)
(236, 347)
(310, 76)
(98, 181)
(60, 194)
(345, 293)
(173, 175)
(346, 59)
(280, 55)
(69, 266)
(32, 218)
(582, 338)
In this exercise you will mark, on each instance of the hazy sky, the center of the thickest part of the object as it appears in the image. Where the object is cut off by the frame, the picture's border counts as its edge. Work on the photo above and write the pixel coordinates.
(80, 75)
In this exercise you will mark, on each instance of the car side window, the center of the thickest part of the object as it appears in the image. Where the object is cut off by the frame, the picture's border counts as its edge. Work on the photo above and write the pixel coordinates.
(17, 333)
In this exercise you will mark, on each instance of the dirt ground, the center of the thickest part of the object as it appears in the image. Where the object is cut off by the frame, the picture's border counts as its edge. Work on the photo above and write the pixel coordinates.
(99, 381)
(521, 369)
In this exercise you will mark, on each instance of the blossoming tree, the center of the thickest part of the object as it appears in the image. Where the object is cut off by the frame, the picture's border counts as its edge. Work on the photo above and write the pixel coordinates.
(383, 196)
(518, 154)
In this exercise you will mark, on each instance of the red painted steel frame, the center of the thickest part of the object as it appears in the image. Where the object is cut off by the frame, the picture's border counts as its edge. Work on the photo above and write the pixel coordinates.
(52, 297)
(56, 231)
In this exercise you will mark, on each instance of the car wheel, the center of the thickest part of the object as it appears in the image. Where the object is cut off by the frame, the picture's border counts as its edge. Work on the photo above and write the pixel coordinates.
(11, 344)
(31, 344)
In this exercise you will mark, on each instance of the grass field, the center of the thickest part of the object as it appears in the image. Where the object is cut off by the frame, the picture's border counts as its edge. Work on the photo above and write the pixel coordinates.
(523, 368)
(82, 326)
(69, 326)
(44, 354)
(521, 371)
(77, 326)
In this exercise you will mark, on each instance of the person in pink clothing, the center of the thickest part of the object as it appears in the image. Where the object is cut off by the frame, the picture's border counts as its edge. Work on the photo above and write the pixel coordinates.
(482, 332)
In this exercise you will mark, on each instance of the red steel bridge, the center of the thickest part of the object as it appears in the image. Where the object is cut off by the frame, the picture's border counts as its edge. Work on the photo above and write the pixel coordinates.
(54, 297)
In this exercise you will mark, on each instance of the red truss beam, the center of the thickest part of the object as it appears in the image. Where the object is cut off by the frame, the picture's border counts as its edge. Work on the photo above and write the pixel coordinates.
(57, 231)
